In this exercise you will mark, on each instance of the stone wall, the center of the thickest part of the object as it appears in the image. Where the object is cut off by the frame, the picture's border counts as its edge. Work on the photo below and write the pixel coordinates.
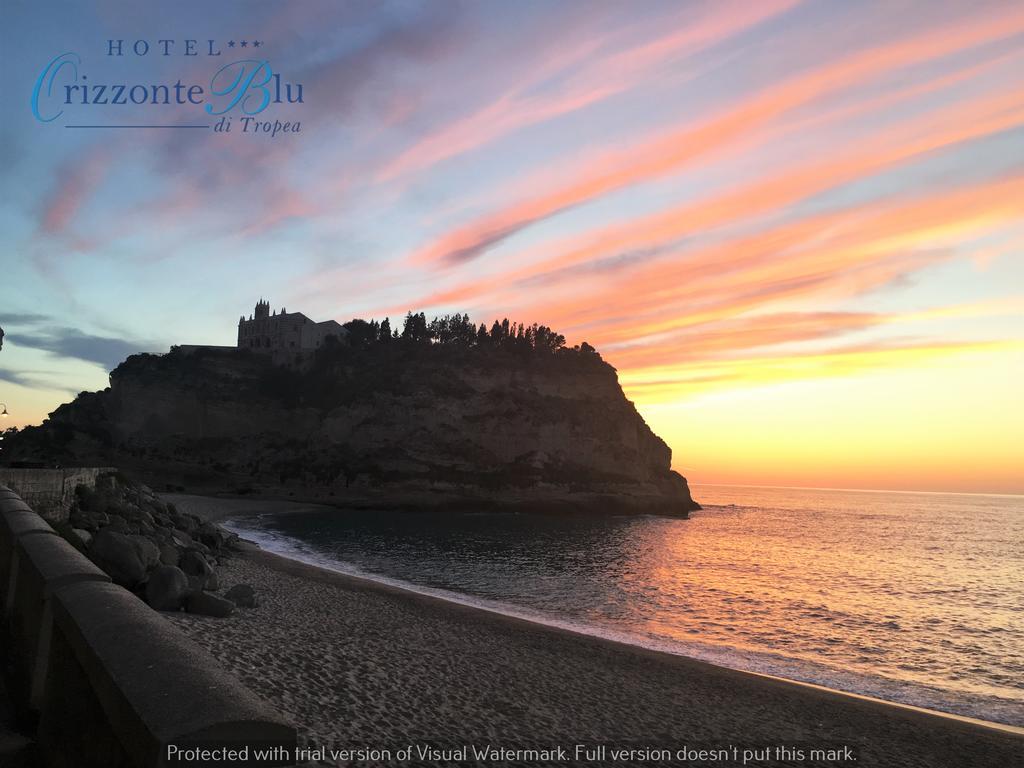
(50, 492)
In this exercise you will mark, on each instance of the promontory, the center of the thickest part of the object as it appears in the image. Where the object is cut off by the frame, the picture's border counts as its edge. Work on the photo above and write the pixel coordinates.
(437, 415)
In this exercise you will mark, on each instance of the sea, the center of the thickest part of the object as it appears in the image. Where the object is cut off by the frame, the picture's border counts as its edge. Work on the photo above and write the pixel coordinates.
(916, 598)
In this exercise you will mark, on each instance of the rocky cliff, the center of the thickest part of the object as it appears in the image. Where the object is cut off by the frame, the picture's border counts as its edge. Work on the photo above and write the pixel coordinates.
(389, 424)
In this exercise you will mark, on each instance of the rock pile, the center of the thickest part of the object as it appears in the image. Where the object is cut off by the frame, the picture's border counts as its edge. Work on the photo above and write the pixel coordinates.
(168, 558)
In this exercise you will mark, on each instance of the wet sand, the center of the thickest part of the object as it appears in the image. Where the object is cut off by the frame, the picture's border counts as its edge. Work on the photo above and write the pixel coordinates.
(357, 663)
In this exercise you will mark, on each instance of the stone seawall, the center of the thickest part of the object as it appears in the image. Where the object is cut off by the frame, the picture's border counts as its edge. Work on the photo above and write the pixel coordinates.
(50, 492)
(99, 679)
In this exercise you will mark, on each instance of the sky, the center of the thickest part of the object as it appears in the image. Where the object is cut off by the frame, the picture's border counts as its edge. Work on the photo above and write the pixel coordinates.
(796, 229)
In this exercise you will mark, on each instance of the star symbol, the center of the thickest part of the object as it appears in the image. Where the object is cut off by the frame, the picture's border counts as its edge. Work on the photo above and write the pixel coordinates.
(243, 43)
(256, 43)
(231, 43)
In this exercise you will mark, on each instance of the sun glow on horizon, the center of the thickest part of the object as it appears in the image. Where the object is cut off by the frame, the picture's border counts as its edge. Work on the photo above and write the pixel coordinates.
(876, 429)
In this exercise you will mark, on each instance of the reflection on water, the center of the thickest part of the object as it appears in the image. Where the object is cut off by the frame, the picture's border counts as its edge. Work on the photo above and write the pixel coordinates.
(911, 597)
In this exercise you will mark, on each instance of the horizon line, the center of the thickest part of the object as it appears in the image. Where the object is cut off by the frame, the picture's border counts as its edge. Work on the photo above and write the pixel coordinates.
(858, 490)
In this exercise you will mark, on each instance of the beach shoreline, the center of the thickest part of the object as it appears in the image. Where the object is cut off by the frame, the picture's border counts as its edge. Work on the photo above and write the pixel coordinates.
(301, 569)
(339, 622)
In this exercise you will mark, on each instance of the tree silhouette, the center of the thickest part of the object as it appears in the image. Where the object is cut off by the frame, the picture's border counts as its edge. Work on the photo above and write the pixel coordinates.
(457, 330)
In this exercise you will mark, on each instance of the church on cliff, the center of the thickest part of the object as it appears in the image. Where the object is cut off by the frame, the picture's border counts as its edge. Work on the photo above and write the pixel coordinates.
(268, 331)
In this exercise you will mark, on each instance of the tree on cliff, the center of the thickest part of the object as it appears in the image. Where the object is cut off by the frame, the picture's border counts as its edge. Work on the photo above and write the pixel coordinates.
(362, 333)
(415, 328)
(459, 331)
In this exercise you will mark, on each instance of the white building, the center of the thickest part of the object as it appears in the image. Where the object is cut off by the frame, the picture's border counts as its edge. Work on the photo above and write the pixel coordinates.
(270, 332)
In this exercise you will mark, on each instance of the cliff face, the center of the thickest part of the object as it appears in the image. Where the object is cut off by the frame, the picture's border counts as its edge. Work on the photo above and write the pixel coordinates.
(394, 424)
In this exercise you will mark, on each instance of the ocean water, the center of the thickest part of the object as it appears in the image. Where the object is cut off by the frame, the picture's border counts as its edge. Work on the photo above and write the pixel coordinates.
(916, 598)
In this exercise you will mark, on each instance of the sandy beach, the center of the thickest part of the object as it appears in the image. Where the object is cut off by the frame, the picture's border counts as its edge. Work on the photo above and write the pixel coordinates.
(357, 663)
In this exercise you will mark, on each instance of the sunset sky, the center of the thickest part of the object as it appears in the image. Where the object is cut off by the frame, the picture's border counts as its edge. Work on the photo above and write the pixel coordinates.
(795, 228)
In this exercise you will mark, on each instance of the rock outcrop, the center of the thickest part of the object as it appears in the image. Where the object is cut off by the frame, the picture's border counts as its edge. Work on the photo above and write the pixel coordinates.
(390, 424)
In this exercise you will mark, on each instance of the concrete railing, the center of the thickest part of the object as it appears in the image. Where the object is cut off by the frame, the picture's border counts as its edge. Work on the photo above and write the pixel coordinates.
(104, 680)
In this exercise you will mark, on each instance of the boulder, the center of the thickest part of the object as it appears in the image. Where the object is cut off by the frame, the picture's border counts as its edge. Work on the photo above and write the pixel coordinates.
(143, 517)
(198, 545)
(89, 520)
(169, 554)
(83, 536)
(187, 523)
(206, 604)
(212, 535)
(242, 595)
(212, 581)
(117, 524)
(149, 553)
(162, 536)
(118, 555)
(81, 519)
(193, 563)
(167, 588)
